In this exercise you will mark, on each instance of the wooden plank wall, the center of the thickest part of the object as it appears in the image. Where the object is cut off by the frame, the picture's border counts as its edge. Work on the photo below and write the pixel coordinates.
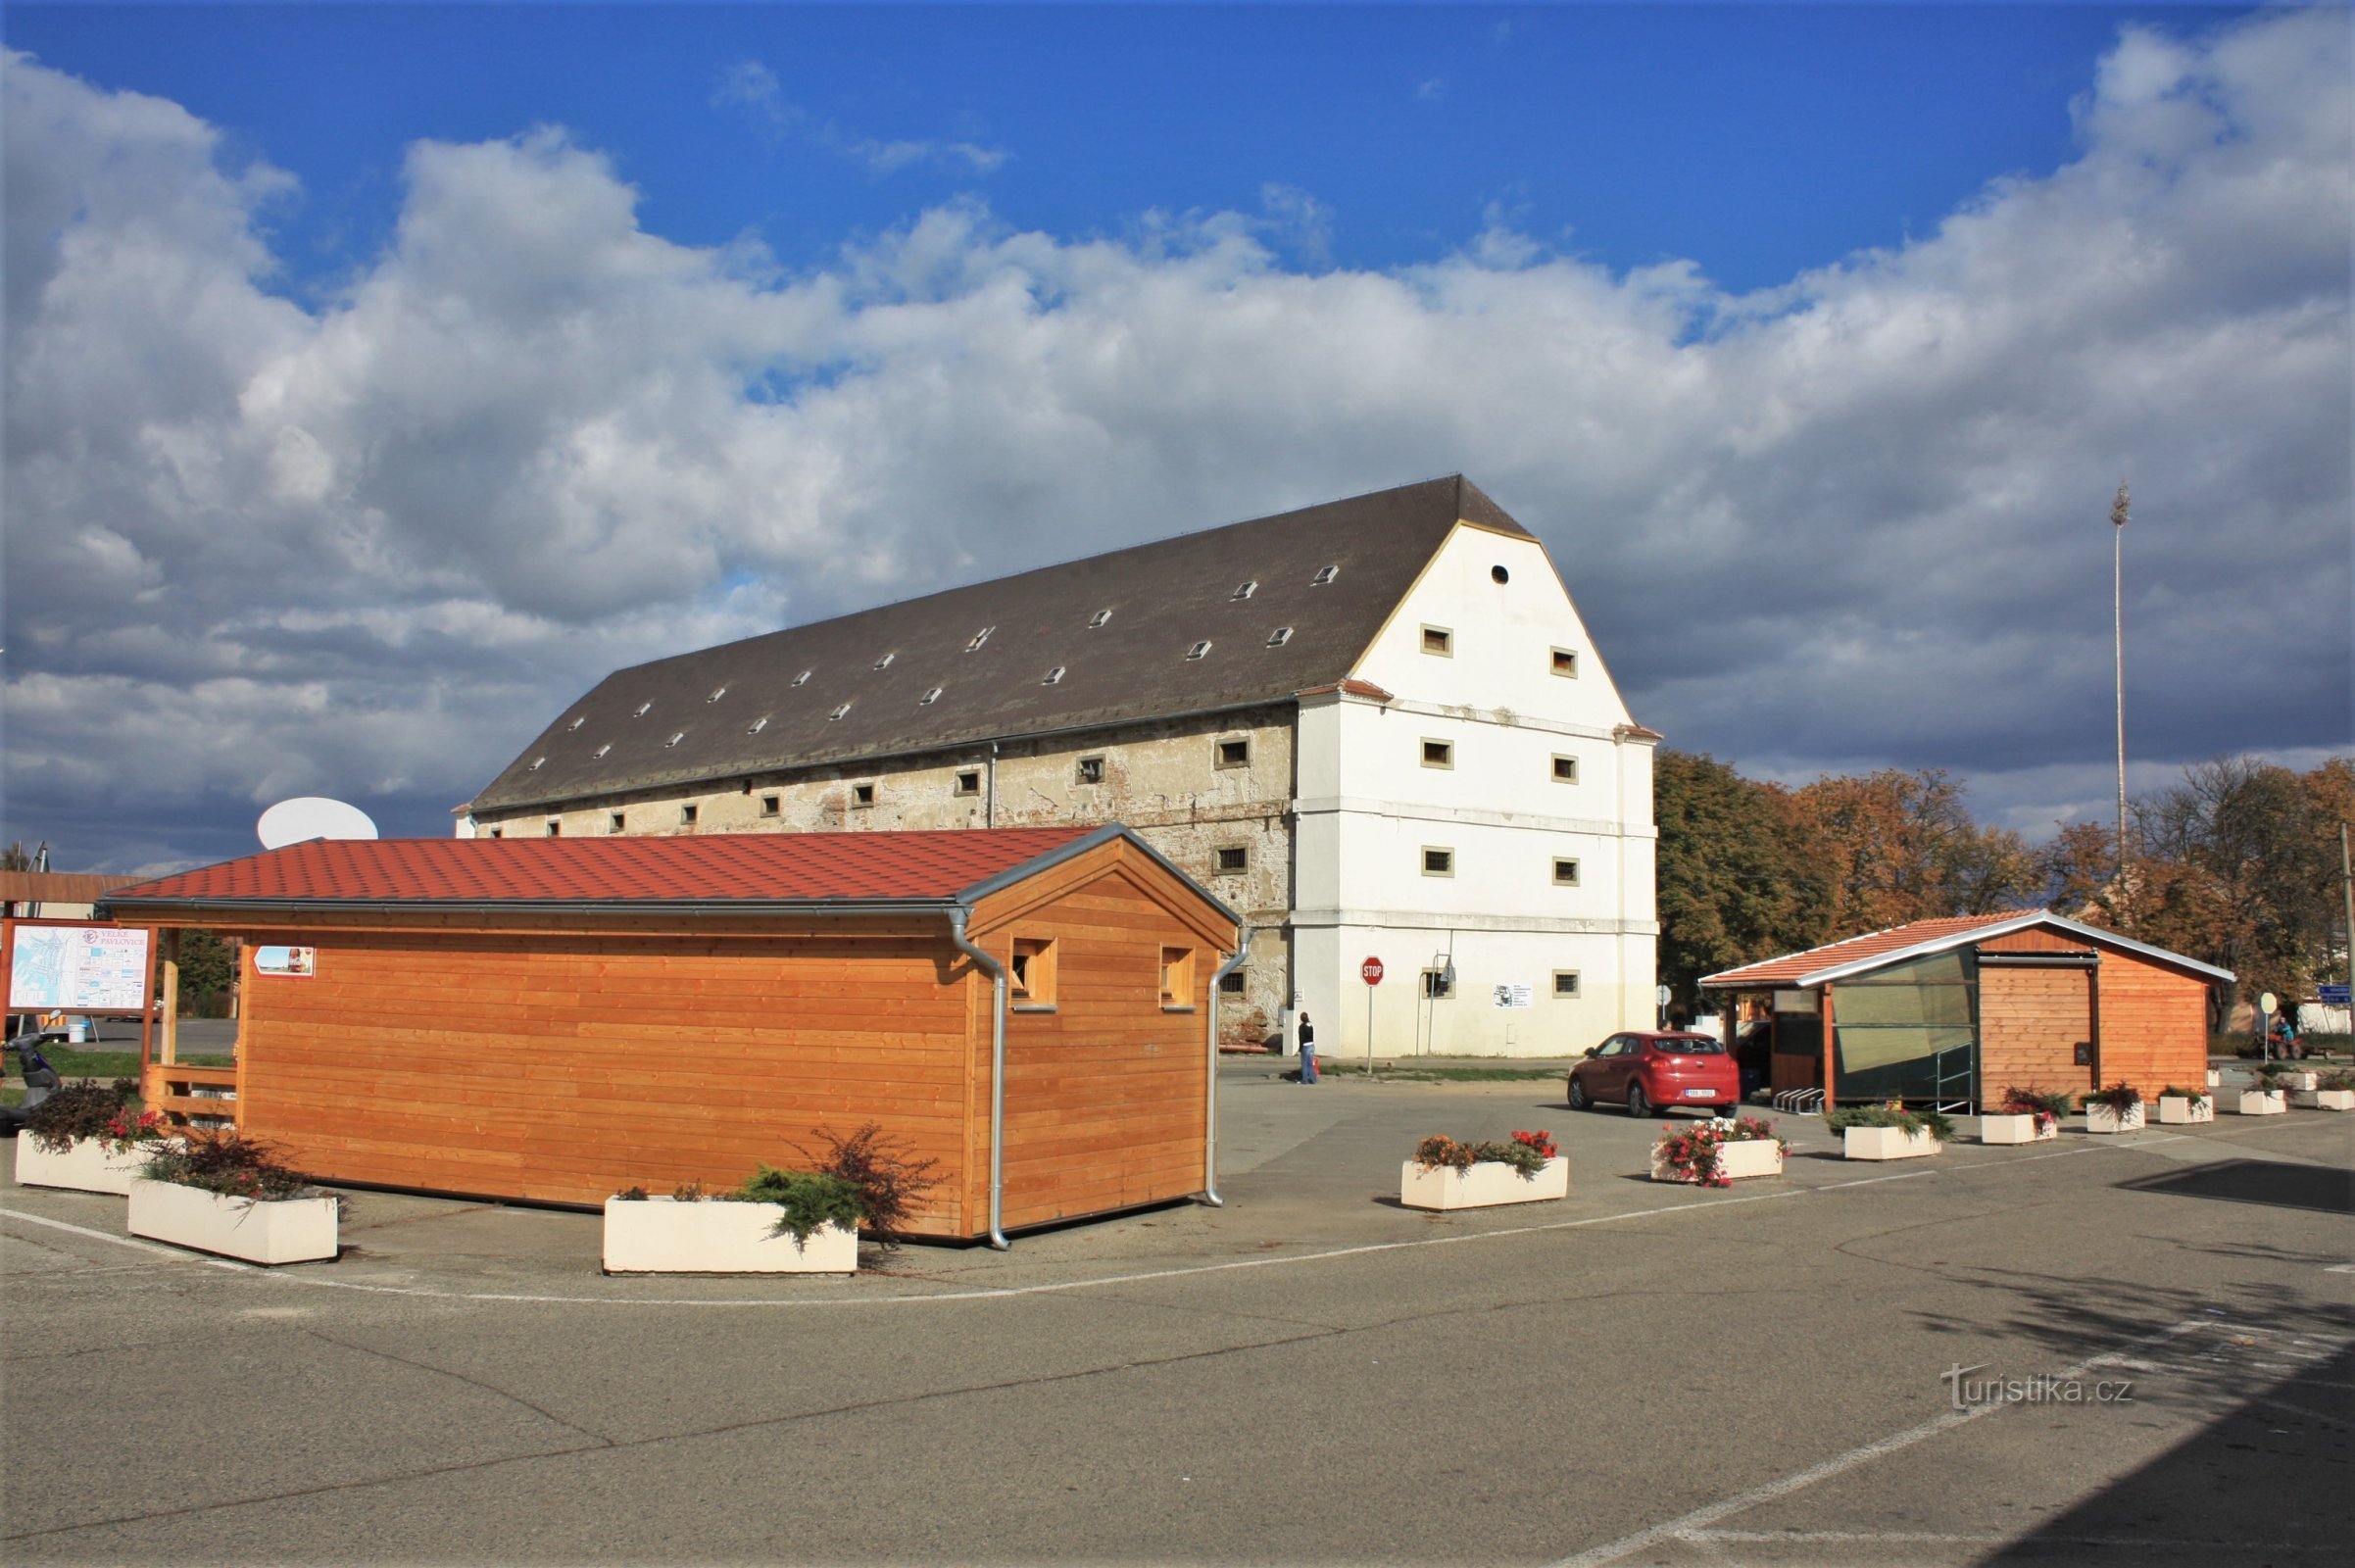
(2154, 1019)
(564, 1067)
(2029, 1021)
(1105, 1095)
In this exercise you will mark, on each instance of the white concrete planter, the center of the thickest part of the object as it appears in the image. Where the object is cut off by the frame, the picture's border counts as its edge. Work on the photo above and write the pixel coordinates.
(1736, 1162)
(292, 1230)
(1885, 1142)
(2007, 1128)
(2101, 1118)
(88, 1166)
(2181, 1111)
(2295, 1080)
(664, 1236)
(2254, 1103)
(2323, 1099)
(1487, 1183)
(2215, 1078)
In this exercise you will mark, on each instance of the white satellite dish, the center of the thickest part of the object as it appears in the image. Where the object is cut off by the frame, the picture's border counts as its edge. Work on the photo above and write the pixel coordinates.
(312, 816)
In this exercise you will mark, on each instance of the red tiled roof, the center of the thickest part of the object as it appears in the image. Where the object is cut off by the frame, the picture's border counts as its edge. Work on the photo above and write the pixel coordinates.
(717, 867)
(1795, 967)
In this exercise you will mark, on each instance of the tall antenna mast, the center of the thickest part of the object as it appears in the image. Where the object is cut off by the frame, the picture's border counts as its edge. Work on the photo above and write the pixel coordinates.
(2118, 515)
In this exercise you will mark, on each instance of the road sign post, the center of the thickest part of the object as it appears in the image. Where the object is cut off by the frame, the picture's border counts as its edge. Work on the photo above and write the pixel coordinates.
(1370, 972)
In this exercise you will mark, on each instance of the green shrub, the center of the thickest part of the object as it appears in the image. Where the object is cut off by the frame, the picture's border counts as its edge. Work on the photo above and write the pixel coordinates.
(225, 1160)
(808, 1198)
(1895, 1115)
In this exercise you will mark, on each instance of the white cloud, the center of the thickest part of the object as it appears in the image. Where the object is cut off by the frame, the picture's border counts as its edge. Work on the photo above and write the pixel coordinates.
(367, 547)
(752, 90)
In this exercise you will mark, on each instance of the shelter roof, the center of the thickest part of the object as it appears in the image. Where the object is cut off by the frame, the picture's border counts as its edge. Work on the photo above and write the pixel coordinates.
(707, 869)
(1876, 950)
(58, 887)
(1103, 640)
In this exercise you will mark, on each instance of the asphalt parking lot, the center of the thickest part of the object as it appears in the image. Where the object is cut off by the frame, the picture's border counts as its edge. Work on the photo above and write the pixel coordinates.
(1641, 1373)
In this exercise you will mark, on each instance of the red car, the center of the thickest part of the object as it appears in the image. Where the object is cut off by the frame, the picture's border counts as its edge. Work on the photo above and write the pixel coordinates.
(1654, 1071)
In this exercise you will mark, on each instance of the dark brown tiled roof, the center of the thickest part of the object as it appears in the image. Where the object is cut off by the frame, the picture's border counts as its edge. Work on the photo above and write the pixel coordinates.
(708, 868)
(735, 710)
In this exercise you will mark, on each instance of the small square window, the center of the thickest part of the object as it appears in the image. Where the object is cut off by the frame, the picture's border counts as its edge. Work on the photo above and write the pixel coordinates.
(615, 822)
(862, 795)
(1439, 862)
(687, 816)
(1438, 640)
(1565, 984)
(1030, 973)
(1230, 984)
(1234, 754)
(1566, 871)
(1565, 769)
(1439, 754)
(1437, 985)
(1091, 770)
(1233, 857)
(1565, 663)
(1177, 977)
(770, 805)
(555, 827)
(968, 782)
(498, 832)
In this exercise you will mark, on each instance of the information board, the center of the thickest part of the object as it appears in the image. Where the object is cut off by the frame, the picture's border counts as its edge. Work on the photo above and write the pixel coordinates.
(78, 969)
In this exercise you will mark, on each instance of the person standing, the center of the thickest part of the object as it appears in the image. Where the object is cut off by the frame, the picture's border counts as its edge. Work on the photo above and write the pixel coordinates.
(1308, 1050)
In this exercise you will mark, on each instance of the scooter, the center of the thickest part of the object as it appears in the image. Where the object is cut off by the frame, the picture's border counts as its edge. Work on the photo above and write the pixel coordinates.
(40, 1080)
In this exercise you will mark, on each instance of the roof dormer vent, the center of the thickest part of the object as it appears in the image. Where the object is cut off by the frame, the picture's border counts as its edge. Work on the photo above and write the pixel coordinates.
(802, 680)
(538, 762)
(885, 661)
(1099, 619)
(929, 698)
(1324, 576)
(979, 637)
(675, 739)
(716, 695)
(578, 722)
(756, 725)
(839, 712)
(1198, 650)
(1243, 590)
(1053, 676)
(602, 749)
(1279, 637)
(642, 708)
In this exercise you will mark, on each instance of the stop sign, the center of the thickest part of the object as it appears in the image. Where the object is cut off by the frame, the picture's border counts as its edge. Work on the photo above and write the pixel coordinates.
(1371, 972)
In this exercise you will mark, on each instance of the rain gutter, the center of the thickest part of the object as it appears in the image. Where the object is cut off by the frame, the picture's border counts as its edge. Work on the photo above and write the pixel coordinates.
(1243, 948)
(958, 917)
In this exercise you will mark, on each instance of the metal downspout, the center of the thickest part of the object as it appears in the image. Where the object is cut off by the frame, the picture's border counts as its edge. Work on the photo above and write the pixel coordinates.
(996, 975)
(1210, 1196)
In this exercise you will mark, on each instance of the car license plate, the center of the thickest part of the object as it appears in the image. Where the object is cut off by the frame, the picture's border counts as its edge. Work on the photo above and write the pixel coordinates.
(1700, 1094)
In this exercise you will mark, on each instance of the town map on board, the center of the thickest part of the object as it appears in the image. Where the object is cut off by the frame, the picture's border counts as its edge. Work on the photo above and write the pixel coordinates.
(78, 969)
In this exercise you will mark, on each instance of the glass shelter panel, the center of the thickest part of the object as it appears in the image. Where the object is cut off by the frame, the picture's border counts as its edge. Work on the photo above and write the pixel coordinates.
(1909, 1031)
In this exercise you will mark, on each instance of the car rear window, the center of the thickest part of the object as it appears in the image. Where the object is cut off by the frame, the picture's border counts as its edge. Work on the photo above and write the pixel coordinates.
(1691, 1047)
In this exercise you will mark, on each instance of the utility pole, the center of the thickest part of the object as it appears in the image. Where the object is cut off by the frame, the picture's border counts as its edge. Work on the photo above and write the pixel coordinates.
(2117, 514)
(2346, 888)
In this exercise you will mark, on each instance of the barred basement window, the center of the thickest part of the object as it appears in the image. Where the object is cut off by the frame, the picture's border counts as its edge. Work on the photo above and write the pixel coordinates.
(1233, 858)
(1437, 862)
(1230, 984)
(1565, 984)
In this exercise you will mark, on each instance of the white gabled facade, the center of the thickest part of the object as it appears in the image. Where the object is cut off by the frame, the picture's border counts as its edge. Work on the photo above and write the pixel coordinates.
(1490, 806)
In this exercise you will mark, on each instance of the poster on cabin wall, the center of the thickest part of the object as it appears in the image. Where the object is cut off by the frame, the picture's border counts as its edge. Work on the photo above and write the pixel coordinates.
(296, 963)
(78, 969)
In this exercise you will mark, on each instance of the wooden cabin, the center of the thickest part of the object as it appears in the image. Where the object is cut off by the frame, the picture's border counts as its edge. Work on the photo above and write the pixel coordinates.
(1954, 1011)
(561, 1018)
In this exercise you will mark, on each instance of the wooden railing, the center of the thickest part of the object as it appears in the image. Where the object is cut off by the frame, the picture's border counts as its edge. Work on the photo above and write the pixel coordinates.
(204, 1096)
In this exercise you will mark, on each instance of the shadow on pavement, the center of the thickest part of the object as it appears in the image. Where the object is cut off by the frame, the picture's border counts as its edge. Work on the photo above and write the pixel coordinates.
(2257, 1181)
(2265, 1481)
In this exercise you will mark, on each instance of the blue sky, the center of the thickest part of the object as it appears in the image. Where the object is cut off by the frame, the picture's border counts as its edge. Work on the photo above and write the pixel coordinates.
(380, 378)
(1756, 140)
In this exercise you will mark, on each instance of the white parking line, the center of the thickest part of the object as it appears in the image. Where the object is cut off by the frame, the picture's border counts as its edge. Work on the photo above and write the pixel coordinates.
(1699, 1519)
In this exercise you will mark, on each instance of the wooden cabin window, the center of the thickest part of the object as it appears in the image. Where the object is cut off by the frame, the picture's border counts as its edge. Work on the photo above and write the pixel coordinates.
(1177, 979)
(1030, 975)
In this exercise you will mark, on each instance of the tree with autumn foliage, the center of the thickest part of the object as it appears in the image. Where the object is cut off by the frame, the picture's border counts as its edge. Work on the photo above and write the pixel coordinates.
(1903, 847)
(1740, 873)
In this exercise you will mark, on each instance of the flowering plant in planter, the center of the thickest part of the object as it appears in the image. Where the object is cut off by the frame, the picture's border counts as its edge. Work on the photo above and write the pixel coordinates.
(1527, 1154)
(1693, 1152)
(127, 1130)
(218, 1191)
(1892, 1113)
(2120, 1097)
(2048, 1107)
(81, 1110)
(225, 1162)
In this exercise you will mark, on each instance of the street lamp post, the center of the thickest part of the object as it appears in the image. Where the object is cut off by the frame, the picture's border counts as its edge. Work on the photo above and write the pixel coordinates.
(2118, 514)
